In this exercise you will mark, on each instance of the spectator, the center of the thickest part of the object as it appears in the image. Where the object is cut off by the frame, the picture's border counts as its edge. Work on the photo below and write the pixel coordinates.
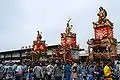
(50, 70)
(37, 70)
(67, 71)
(58, 71)
(74, 72)
(19, 71)
(108, 72)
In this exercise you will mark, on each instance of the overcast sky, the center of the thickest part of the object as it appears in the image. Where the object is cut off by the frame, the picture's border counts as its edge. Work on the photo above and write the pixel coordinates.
(20, 20)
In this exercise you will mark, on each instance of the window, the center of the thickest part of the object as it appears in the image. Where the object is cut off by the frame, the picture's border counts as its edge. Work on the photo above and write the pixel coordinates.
(16, 55)
(8, 55)
(2, 56)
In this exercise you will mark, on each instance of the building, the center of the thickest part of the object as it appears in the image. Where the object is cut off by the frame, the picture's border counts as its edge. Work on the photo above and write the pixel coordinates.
(103, 45)
(19, 55)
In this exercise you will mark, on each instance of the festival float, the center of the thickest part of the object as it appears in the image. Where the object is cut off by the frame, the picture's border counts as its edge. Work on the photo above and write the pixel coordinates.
(39, 50)
(68, 49)
(103, 45)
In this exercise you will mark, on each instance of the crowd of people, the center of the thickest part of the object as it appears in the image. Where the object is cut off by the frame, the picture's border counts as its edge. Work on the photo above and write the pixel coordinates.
(59, 70)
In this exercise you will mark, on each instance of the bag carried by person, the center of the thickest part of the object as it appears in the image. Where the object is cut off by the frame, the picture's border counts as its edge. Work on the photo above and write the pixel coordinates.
(18, 73)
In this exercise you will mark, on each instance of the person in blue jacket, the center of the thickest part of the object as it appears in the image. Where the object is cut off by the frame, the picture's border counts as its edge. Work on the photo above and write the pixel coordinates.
(67, 71)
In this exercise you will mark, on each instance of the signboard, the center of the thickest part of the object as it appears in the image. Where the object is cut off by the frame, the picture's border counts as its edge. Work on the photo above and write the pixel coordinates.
(75, 54)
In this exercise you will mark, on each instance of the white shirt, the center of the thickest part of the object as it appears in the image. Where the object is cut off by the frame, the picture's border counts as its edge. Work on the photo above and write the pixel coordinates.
(49, 69)
(19, 68)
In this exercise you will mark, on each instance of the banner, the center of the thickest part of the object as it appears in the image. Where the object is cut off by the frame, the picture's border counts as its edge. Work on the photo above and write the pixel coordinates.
(75, 54)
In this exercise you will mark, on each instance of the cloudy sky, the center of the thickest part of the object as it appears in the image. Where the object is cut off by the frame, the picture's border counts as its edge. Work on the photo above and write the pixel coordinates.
(20, 20)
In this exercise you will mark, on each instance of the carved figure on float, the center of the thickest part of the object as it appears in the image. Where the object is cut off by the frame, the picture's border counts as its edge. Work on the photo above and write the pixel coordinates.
(102, 21)
(39, 36)
(68, 28)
